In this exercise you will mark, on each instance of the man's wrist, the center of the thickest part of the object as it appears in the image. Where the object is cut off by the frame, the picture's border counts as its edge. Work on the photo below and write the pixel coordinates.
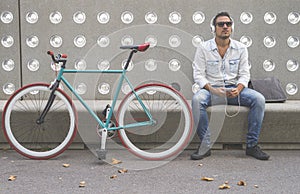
(240, 87)
(209, 88)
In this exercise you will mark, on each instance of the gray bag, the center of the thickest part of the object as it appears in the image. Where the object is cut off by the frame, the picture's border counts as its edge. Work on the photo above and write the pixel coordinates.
(270, 88)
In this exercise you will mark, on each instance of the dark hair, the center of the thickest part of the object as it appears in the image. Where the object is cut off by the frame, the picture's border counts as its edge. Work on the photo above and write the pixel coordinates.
(219, 15)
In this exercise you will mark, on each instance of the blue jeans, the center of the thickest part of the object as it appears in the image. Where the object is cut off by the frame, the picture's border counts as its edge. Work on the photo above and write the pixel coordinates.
(248, 97)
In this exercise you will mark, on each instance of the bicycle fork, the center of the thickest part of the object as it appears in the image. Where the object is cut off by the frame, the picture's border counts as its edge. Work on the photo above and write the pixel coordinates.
(51, 99)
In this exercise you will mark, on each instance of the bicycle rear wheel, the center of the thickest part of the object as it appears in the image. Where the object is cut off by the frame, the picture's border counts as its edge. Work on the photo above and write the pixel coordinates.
(173, 122)
(44, 140)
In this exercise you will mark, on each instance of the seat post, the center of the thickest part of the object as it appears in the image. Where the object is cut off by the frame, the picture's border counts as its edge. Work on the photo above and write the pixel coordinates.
(129, 58)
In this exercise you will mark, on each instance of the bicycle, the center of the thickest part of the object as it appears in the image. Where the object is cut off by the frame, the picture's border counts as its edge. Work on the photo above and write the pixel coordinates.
(148, 107)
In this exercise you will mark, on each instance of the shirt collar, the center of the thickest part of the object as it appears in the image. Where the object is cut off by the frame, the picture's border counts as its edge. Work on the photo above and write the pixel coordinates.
(213, 44)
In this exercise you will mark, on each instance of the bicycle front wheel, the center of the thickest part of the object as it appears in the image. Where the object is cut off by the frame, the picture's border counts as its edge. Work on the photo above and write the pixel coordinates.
(172, 117)
(39, 140)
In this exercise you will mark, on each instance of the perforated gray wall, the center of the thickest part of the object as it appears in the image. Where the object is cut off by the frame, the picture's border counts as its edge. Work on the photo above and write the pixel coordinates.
(174, 27)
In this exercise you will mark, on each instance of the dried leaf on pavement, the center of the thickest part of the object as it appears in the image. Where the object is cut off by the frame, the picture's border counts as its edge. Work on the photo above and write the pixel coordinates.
(115, 161)
(82, 184)
(224, 186)
(66, 165)
(12, 177)
(113, 176)
(241, 183)
(122, 171)
(207, 179)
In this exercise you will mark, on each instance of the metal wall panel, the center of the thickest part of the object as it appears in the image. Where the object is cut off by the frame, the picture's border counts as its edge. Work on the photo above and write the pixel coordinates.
(139, 30)
(9, 48)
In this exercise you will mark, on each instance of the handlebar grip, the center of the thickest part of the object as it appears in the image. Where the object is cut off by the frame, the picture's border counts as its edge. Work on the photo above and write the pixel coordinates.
(50, 53)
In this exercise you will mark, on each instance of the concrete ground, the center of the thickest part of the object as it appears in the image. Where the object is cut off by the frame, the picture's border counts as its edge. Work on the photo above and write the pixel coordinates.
(83, 173)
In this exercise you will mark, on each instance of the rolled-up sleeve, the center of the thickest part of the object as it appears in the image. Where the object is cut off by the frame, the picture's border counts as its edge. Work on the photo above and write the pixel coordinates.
(199, 69)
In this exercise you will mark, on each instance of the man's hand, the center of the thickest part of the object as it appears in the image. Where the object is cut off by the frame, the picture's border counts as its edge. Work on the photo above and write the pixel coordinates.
(216, 91)
(234, 92)
(220, 91)
(229, 92)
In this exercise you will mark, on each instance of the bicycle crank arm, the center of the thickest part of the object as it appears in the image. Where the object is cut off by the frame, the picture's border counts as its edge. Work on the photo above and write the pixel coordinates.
(102, 152)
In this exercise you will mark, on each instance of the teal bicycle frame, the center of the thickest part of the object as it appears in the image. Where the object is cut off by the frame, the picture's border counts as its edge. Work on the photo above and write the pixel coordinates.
(123, 77)
(104, 124)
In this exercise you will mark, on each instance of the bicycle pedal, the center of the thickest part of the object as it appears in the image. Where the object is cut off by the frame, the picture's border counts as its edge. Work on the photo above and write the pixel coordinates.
(101, 153)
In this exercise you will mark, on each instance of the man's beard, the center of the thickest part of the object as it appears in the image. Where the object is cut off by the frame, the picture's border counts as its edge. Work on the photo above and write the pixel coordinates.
(225, 37)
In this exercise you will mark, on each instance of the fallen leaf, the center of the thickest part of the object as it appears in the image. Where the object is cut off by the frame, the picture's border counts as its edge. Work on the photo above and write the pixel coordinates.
(241, 183)
(66, 165)
(207, 179)
(82, 184)
(122, 171)
(115, 161)
(256, 186)
(12, 177)
(113, 176)
(224, 186)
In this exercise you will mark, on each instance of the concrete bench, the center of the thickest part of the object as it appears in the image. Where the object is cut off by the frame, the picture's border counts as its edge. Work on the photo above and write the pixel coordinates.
(280, 130)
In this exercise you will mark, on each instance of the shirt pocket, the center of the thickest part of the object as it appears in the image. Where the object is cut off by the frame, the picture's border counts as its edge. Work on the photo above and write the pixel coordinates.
(212, 67)
(233, 65)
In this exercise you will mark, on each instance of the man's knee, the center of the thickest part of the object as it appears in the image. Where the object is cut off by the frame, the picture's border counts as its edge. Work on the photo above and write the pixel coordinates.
(260, 99)
(200, 96)
(255, 97)
(199, 101)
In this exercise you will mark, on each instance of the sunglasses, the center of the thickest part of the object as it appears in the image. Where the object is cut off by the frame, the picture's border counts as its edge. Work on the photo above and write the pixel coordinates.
(221, 24)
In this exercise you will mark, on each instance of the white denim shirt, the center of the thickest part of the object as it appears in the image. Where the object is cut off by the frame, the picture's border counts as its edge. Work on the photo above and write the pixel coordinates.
(210, 67)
